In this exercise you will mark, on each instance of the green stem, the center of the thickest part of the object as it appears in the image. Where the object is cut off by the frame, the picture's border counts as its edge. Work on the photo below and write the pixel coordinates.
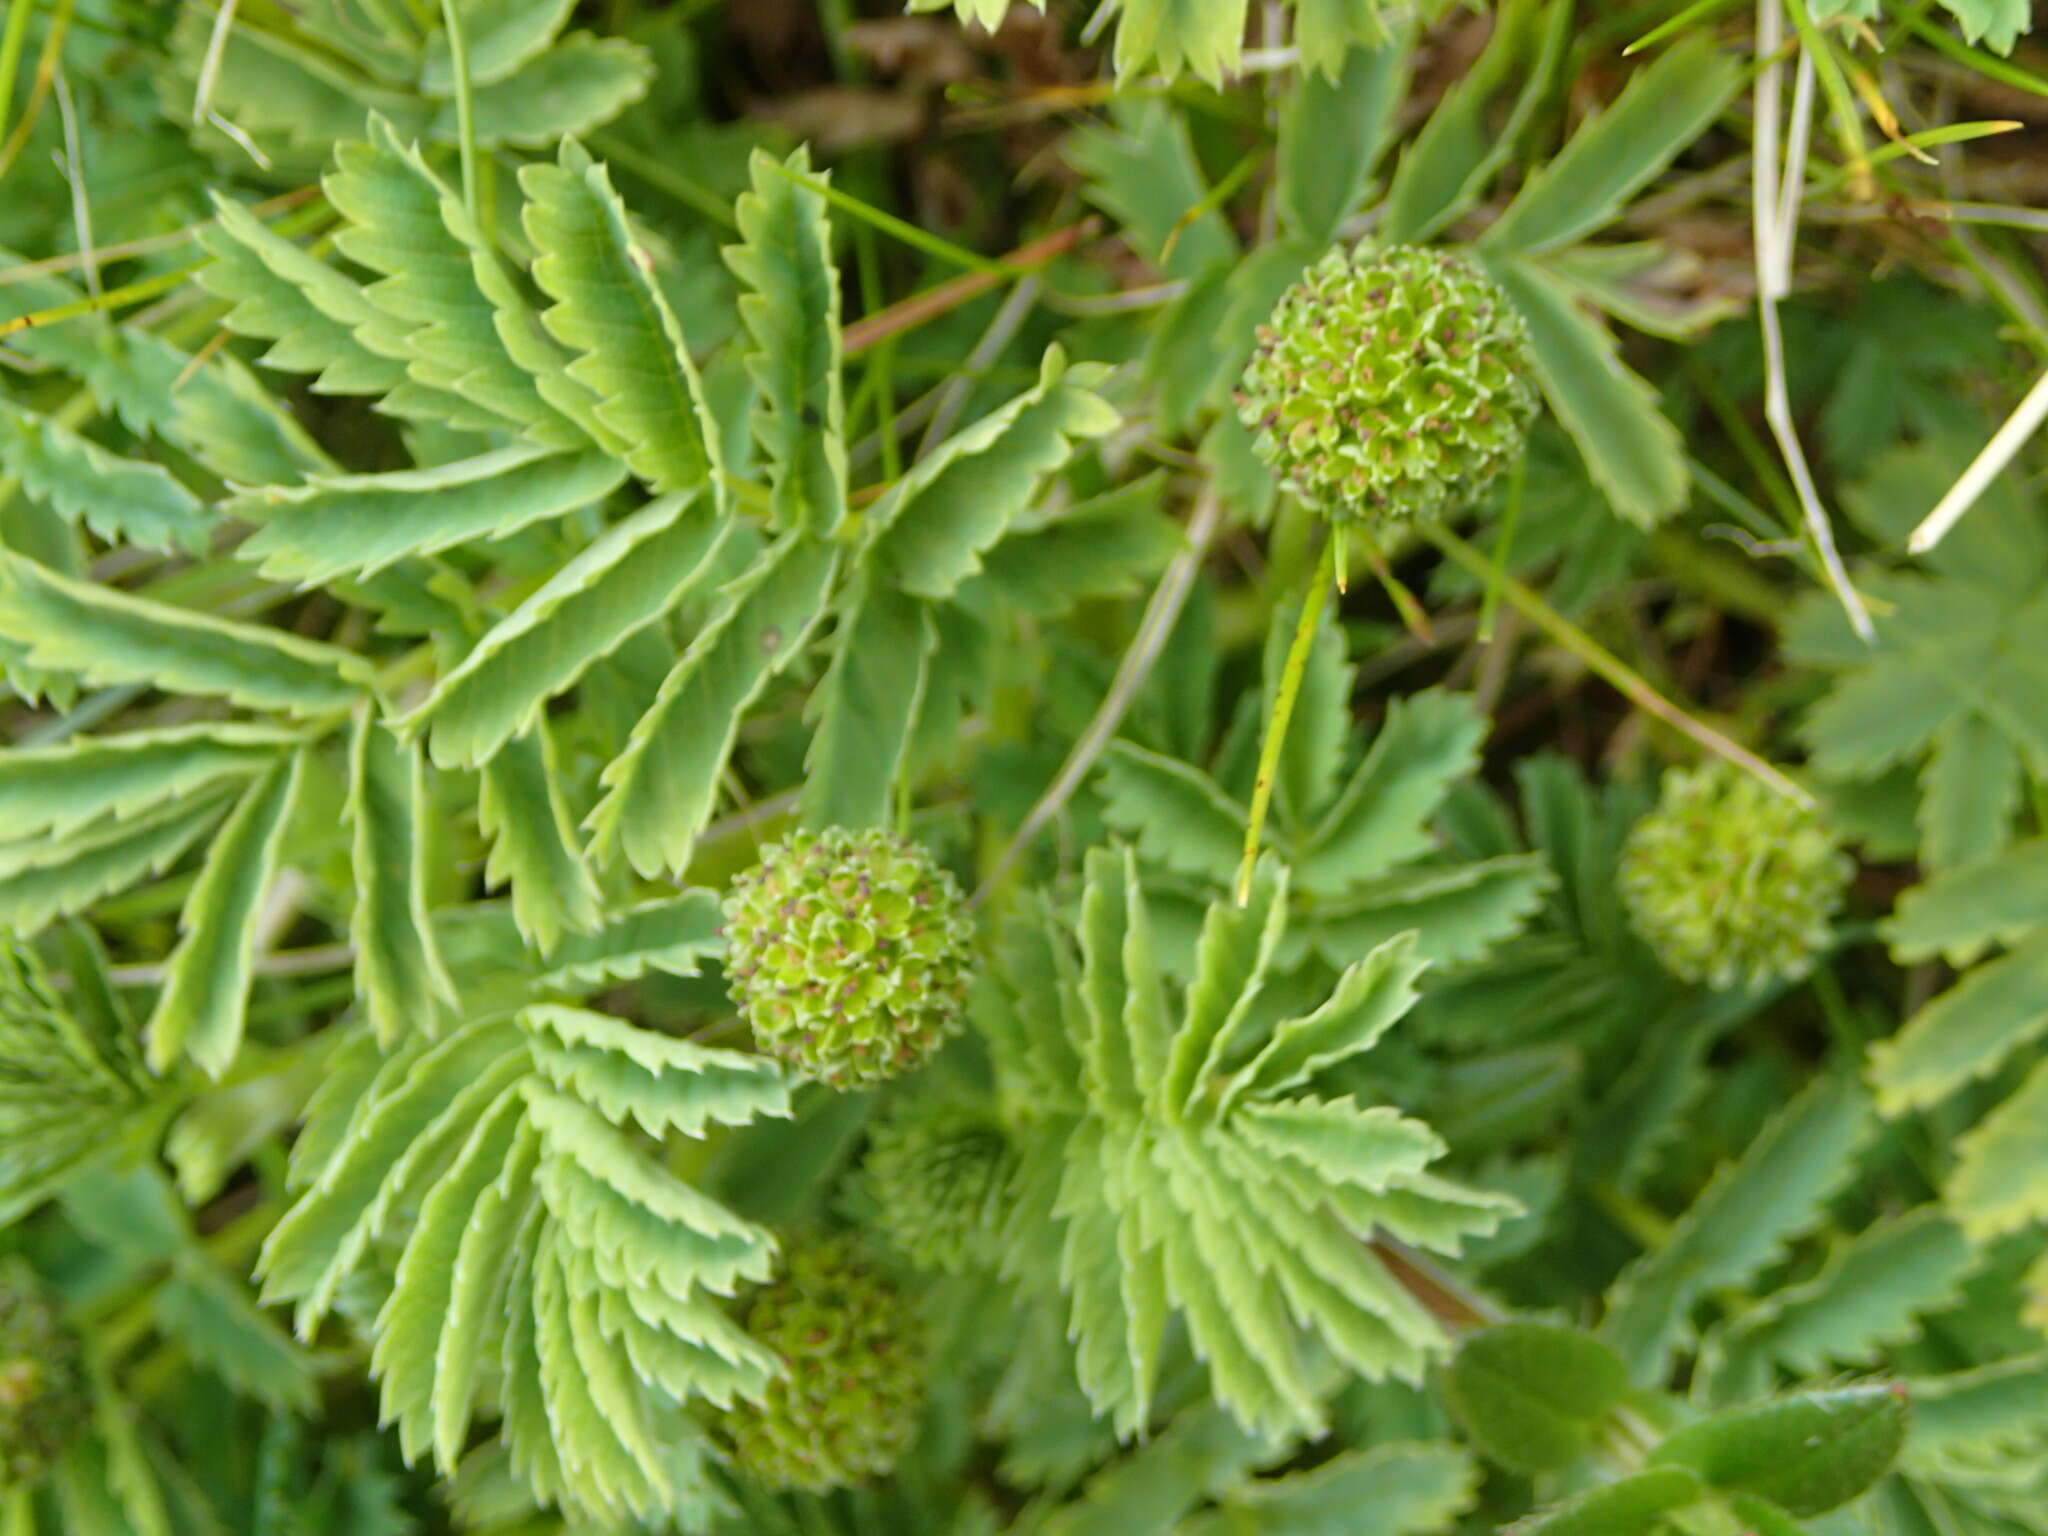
(889, 224)
(1283, 710)
(1605, 664)
(113, 298)
(465, 109)
(1503, 549)
(12, 42)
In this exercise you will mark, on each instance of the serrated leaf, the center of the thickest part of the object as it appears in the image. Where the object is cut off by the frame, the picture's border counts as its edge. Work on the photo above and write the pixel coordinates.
(1808, 1454)
(205, 995)
(1333, 130)
(576, 85)
(484, 1257)
(630, 1213)
(497, 37)
(1463, 145)
(670, 935)
(1177, 815)
(597, 1420)
(407, 1355)
(2000, 1182)
(399, 975)
(1369, 998)
(866, 705)
(1144, 173)
(1145, 1021)
(1459, 912)
(1752, 1206)
(660, 790)
(791, 310)
(620, 583)
(1615, 154)
(121, 500)
(1236, 948)
(1998, 23)
(520, 808)
(1342, 1142)
(1325, 30)
(215, 1323)
(413, 1109)
(362, 523)
(406, 224)
(629, 348)
(1867, 1295)
(1380, 819)
(1970, 790)
(663, 1084)
(51, 792)
(1202, 36)
(311, 314)
(935, 523)
(1097, 549)
(41, 881)
(1105, 916)
(1530, 1395)
(1632, 451)
(1997, 1009)
(1998, 899)
(1984, 1405)
(109, 637)
(130, 1479)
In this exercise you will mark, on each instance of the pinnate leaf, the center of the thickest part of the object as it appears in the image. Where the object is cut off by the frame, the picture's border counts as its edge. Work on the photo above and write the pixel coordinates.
(609, 312)
(206, 989)
(620, 583)
(109, 637)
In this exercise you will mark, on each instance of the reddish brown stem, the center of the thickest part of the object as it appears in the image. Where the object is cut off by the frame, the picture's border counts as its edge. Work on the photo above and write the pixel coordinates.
(933, 302)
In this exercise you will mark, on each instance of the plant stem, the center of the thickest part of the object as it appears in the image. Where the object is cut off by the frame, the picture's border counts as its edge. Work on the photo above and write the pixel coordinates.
(1283, 711)
(113, 298)
(12, 42)
(1503, 549)
(1598, 659)
(1161, 614)
(951, 294)
(465, 110)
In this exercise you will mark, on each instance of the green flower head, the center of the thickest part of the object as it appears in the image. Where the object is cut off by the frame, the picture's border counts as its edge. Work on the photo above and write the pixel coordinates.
(1389, 383)
(852, 1394)
(938, 1172)
(44, 1400)
(849, 954)
(1729, 881)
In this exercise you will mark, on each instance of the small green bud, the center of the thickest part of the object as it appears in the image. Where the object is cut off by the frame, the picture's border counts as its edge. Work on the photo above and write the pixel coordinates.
(852, 1394)
(938, 1172)
(1729, 881)
(849, 954)
(1390, 383)
(45, 1402)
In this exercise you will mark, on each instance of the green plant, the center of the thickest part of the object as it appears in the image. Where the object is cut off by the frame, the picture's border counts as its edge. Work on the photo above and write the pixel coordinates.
(702, 829)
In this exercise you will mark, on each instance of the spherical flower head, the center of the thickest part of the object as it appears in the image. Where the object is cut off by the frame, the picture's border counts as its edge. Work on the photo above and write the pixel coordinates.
(1729, 881)
(1390, 383)
(938, 1172)
(849, 953)
(852, 1393)
(44, 1399)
